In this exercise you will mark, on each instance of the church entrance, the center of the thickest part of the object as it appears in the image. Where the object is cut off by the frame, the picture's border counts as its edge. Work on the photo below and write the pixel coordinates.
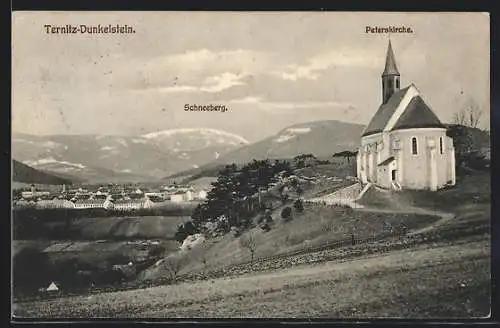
(393, 175)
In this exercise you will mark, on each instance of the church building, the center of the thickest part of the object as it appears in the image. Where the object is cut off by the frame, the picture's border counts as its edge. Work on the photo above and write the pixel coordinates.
(405, 144)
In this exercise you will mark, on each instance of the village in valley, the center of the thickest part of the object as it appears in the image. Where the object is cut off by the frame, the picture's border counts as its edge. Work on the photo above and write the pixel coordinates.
(324, 219)
(113, 197)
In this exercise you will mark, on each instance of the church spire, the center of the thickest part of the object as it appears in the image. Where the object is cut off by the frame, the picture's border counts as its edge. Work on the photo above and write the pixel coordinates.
(390, 62)
(390, 76)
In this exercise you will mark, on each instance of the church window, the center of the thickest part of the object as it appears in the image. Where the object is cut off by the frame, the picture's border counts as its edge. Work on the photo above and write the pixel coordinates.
(441, 145)
(397, 83)
(389, 84)
(414, 146)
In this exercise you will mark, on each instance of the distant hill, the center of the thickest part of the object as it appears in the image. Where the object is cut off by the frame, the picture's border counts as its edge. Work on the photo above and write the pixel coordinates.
(321, 138)
(26, 174)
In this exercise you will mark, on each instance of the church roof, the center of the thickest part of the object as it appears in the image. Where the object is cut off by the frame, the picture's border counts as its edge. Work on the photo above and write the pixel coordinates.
(387, 161)
(416, 114)
(384, 113)
(390, 62)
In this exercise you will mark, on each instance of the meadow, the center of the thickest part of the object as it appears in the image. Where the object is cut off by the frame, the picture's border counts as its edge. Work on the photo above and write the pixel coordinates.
(446, 281)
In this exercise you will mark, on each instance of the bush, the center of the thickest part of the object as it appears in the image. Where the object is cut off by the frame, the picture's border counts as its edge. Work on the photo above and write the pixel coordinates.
(156, 251)
(185, 230)
(286, 213)
(299, 205)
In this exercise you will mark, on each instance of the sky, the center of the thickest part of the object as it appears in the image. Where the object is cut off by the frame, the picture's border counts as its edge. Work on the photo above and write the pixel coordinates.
(271, 70)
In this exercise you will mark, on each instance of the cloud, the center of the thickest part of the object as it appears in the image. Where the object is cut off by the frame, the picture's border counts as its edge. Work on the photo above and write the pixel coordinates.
(211, 84)
(273, 105)
(338, 58)
(203, 59)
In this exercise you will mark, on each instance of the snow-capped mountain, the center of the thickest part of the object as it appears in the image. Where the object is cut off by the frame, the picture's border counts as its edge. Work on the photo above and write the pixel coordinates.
(195, 139)
(321, 138)
(96, 157)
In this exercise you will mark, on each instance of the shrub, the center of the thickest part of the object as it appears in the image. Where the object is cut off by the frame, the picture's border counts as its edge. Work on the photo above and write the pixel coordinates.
(286, 213)
(156, 251)
(299, 205)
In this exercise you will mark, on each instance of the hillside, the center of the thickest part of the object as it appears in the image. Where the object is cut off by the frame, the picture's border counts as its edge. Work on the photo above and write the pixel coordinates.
(26, 174)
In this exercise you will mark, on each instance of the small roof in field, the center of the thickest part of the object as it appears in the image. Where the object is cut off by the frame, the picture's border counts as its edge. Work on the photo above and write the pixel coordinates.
(52, 287)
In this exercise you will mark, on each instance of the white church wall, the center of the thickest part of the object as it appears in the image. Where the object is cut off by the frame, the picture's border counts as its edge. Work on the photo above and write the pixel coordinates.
(417, 173)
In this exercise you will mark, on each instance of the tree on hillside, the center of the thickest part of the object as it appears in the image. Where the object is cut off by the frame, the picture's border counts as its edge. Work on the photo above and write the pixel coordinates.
(469, 116)
(462, 141)
(249, 242)
(286, 213)
(174, 264)
(298, 205)
(304, 160)
(299, 191)
(184, 230)
(346, 154)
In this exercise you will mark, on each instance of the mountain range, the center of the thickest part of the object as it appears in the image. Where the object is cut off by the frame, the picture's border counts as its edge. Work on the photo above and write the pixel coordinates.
(171, 154)
(320, 138)
(149, 157)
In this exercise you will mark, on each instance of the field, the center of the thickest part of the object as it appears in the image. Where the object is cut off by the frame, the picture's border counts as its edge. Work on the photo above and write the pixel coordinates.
(447, 281)
(145, 227)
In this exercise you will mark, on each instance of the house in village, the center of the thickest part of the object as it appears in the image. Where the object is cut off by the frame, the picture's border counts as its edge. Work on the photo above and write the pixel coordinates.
(405, 145)
(54, 203)
(127, 205)
(33, 193)
(153, 202)
(182, 196)
(202, 194)
(89, 203)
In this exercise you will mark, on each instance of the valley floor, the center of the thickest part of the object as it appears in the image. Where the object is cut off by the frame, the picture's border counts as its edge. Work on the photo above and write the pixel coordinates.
(428, 281)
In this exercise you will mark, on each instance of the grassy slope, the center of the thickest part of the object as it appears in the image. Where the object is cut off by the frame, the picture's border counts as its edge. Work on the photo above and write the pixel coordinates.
(317, 225)
(471, 193)
(103, 238)
(448, 281)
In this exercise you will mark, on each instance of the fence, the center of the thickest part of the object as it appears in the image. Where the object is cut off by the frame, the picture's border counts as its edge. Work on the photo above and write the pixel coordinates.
(350, 241)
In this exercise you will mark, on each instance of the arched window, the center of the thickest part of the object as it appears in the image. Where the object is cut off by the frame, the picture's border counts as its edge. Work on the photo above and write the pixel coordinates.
(414, 146)
(397, 83)
(441, 145)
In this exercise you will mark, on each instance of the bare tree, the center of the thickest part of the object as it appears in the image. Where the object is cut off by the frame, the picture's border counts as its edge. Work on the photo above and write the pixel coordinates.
(201, 253)
(174, 264)
(248, 241)
(469, 116)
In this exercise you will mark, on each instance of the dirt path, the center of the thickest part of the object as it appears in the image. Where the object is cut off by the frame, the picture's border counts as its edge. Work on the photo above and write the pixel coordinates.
(394, 206)
(398, 207)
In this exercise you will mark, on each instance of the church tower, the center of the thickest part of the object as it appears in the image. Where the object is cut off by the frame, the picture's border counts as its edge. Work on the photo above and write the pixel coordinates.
(390, 76)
